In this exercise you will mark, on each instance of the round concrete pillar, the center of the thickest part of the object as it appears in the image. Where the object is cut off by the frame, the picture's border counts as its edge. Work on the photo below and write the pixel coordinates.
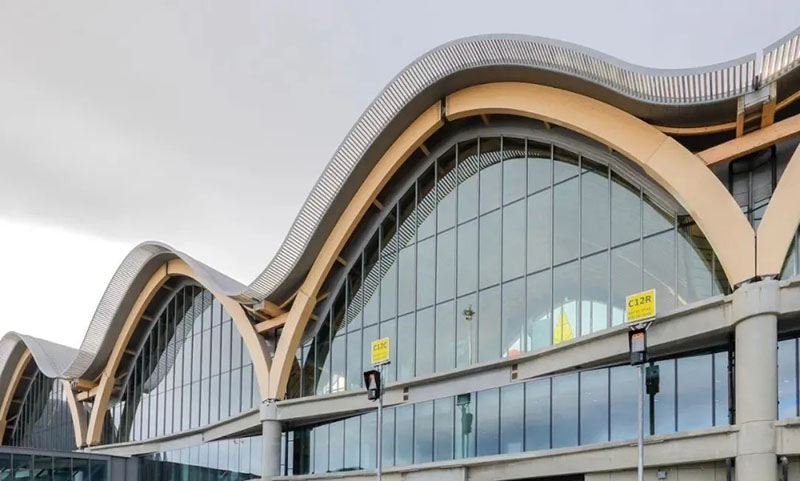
(270, 440)
(755, 314)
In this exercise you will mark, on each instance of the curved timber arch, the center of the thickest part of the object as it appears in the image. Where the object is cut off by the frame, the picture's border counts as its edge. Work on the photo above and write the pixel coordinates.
(777, 228)
(254, 343)
(681, 173)
(16, 376)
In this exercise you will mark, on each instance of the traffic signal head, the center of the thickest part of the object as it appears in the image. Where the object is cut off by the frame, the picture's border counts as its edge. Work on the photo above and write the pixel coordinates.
(372, 380)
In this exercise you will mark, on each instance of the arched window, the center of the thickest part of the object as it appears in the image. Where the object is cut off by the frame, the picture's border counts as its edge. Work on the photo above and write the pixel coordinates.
(504, 245)
(42, 420)
(187, 367)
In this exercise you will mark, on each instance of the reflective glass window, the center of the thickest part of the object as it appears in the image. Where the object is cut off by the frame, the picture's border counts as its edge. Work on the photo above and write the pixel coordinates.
(787, 378)
(423, 432)
(443, 417)
(695, 389)
(565, 411)
(594, 406)
(512, 414)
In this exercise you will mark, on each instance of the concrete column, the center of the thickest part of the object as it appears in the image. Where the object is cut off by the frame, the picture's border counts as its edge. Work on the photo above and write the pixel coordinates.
(270, 439)
(754, 311)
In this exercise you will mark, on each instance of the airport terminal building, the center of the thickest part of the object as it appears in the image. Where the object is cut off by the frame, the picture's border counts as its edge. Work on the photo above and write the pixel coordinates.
(488, 213)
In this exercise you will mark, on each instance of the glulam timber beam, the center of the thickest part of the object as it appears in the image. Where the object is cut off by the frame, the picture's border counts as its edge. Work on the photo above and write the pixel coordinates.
(752, 142)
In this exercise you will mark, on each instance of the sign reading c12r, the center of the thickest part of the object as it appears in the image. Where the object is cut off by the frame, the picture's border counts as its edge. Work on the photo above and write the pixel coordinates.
(640, 306)
(380, 351)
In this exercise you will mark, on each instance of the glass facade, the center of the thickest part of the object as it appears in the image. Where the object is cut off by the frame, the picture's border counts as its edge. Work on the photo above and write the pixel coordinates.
(587, 407)
(190, 370)
(44, 420)
(791, 266)
(788, 379)
(22, 465)
(501, 246)
(236, 459)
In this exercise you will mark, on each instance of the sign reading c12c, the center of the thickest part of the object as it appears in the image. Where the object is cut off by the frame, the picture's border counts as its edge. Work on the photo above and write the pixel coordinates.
(380, 351)
(640, 306)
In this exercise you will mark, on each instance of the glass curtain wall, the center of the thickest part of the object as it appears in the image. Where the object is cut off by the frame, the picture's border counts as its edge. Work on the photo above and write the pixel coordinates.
(788, 384)
(236, 459)
(588, 407)
(791, 266)
(502, 246)
(44, 420)
(191, 370)
(26, 466)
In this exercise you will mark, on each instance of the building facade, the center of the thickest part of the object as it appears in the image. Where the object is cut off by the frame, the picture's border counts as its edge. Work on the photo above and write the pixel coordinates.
(488, 213)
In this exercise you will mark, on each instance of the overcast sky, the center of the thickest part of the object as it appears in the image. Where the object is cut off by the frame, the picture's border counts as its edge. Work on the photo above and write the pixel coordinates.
(205, 124)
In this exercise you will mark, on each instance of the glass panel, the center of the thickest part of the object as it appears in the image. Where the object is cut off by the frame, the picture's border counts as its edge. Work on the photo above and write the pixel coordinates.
(537, 414)
(566, 227)
(513, 240)
(465, 426)
(445, 336)
(466, 331)
(565, 164)
(594, 406)
(694, 262)
(425, 345)
(338, 363)
(595, 221)
(539, 166)
(512, 409)
(426, 198)
(624, 390)
(406, 291)
(467, 278)
(694, 393)
(467, 180)
(626, 278)
(423, 432)
(513, 316)
(625, 211)
(539, 307)
(721, 415)
(387, 440)
(488, 422)
(489, 258)
(388, 267)
(321, 449)
(594, 293)
(659, 268)
(665, 399)
(491, 174)
(565, 302)
(565, 410)
(352, 441)
(539, 232)
(354, 360)
(787, 379)
(513, 169)
(488, 316)
(445, 266)
(405, 347)
(654, 218)
(369, 439)
(426, 279)
(446, 214)
(404, 432)
(443, 429)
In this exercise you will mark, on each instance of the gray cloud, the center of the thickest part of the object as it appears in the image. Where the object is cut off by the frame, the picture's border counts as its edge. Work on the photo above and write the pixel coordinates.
(204, 125)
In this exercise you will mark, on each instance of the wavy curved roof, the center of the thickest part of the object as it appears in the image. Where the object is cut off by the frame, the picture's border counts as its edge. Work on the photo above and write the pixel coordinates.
(653, 94)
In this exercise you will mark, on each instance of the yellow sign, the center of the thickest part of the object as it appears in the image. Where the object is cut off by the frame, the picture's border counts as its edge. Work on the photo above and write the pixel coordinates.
(562, 330)
(640, 306)
(380, 351)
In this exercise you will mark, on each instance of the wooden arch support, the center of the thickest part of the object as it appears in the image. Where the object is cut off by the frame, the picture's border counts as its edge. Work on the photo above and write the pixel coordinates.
(16, 376)
(255, 344)
(780, 221)
(680, 172)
